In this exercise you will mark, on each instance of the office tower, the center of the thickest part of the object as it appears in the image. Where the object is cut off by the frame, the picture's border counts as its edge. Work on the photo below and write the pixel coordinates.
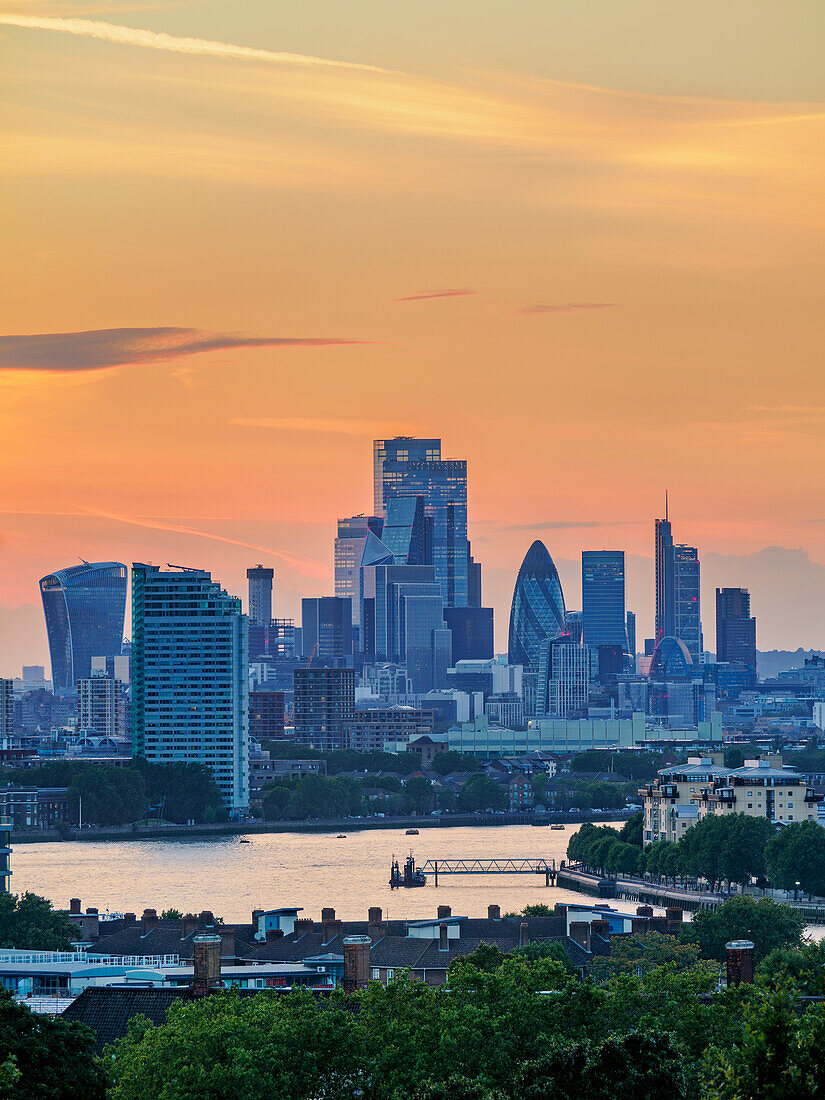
(381, 628)
(735, 628)
(473, 580)
(427, 642)
(6, 708)
(276, 639)
(564, 677)
(99, 707)
(407, 532)
(84, 606)
(688, 624)
(349, 550)
(394, 454)
(537, 613)
(260, 595)
(631, 633)
(326, 626)
(472, 631)
(603, 598)
(665, 596)
(573, 626)
(190, 676)
(266, 715)
(324, 706)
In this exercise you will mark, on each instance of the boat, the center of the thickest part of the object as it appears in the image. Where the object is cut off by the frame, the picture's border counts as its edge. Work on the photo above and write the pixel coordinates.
(412, 832)
(244, 840)
(410, 876)
(341, 836)
(556, 826)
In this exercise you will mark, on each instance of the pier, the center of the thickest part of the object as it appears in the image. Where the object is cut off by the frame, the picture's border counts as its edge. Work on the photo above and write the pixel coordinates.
(500, 866)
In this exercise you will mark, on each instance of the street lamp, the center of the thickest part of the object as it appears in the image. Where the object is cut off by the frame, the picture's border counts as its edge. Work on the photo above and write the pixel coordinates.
(795, 890)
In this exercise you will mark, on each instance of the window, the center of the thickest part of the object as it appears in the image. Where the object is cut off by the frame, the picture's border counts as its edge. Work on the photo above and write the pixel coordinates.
(376, 974)
(390, 975)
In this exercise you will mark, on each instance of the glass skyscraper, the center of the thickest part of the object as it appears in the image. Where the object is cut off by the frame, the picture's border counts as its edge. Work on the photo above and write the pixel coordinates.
(394, 454)
(603, 598)
(349, 550)
(735, 628)
(537, 614)
(326, 622)
(687, 599)
(190, 676)
(84, 606)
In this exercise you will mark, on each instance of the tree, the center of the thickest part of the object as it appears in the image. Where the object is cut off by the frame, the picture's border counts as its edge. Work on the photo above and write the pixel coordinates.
(632, 831)
(641, 953)
(796, 855)
(446, 799)
(768, 924)
(418, 793)
(803, 967)
(729, 847)
(275, 802)
(186, 791)
(29, 922)
(171, 914)
(479, 793)
(445, 763)
(46, 1058)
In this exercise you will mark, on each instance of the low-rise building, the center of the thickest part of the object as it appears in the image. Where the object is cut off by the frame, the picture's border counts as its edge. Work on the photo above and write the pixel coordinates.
(35, 807)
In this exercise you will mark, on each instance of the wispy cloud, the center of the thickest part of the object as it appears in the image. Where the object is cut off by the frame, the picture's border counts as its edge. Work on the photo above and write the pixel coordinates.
(436, 294)
(132, 36)
(115, 347)
(373, 428)
(570, 524)
(564, 307)
(308, 567)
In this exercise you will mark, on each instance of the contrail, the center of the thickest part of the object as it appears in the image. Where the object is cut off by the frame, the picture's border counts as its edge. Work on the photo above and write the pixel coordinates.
(130, 36)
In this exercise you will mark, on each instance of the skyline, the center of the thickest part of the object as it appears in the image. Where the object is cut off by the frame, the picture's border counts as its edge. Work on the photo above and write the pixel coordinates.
(594, 272)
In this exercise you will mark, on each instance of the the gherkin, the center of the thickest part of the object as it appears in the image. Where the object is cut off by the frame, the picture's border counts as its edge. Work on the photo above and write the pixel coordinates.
(537, 612)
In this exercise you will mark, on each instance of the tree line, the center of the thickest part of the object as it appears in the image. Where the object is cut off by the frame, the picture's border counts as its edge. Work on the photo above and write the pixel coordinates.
(732, 848)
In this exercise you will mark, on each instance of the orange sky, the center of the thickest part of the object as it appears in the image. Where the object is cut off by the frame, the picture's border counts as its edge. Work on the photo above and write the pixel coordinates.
(655, 171)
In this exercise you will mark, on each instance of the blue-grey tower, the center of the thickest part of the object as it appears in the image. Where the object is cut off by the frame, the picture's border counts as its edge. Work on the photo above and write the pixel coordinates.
(85, 607)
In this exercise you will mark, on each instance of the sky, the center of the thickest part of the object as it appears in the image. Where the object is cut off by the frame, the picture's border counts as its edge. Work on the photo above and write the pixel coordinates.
(581, 242)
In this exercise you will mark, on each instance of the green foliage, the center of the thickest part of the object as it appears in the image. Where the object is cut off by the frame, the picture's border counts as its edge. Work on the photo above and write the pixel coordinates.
(447, 800)
(29, 922)
(803, 967)
(45, 1058)
(187, 791)
(345, 760)
(597, 795)
(601, 848)
(728, 847)
(171, 914)
(419, 794)
(480, 793)
(445, 763)
(324, 796)
(796, 854)
(110, 796)
(638, 766)
(275, 802)
(768, 924)
(639, 954)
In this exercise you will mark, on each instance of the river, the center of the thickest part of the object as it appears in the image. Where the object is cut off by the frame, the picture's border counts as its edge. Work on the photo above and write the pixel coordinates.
(310, 870)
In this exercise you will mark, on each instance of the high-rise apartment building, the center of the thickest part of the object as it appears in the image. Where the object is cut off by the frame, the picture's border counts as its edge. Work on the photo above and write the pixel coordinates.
(324, 706)
(735, 628)
(260, 579)
(603, 598)
(85, 607)
(190, 676)
(266, 715)
(6, 707)
(394, 454)
(100, 710)
(326, 626)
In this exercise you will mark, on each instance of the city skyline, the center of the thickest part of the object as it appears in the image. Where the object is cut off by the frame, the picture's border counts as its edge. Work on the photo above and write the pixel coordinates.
(232, 271)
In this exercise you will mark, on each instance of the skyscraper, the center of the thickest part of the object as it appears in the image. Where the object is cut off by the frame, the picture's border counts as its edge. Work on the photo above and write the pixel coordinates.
(349, 549)
(665, 597)
(260, 595)
(84, 606)
(735, 628)
(687, 599)
(190, 676)
(564, 677)
(631, 633)
(6, 708)
(394, 453)
(326, 623)
(537, 613)
(603, 598)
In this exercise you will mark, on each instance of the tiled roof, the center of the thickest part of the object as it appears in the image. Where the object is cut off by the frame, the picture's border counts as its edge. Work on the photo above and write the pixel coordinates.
(107, 1011)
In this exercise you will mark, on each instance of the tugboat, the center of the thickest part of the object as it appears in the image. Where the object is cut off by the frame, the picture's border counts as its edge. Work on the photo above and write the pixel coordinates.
(412, 832)
(410, 876)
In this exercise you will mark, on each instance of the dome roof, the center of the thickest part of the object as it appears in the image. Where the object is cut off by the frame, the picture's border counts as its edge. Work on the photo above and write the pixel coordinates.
(671, 660)
(537, 612)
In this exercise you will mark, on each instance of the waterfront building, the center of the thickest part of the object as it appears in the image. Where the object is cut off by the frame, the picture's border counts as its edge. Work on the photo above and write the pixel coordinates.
(100, 708)
(480, 737)
(266, 715)
(389, 457)
(472, 631)
(6, 709)
(565, 674)
(735, 628)
(326, 627)
(260, 579)
(324, 706)
(685, 793)
(190, 676)
(36, 807)
(84, 607)
(603, 599)
(537, 614)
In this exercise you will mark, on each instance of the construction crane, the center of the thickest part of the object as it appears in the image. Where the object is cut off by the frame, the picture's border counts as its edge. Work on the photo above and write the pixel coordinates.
(312, 655)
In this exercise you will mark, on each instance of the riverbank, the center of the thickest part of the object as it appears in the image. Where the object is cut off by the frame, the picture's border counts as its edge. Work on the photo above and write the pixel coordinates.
(334, 825)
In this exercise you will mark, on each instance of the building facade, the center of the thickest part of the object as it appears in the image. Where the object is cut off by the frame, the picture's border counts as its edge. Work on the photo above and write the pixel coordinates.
(537, 615)
(266, 715)
(100, 707)
(603, 598)
(565, 675)
(260, 579)
(688, 601)
(324, 706)
(735, 628)
(190, 676)
(85, 608)
(389, 457)
(6, 708)
(326, 626)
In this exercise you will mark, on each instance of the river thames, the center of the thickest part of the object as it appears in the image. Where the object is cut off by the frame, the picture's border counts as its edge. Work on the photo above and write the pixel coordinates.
(309, 870)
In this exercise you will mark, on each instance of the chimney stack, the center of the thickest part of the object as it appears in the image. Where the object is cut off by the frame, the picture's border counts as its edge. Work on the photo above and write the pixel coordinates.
(644, 911)
(376, 928)
(75, 908)
(206, 919)
(356, 963)
(740, 961)
(129, 920)
(207, 964)
(444, 911)
(579, 932)
(443, 938)
(327, 915)
(523, 934)
(493, 912)
(148, 921)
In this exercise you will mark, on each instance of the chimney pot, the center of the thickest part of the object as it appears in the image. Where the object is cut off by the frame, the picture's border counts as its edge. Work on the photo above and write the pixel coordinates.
(444, 911)
(493, 912)
(149, 920)
(75, 907)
